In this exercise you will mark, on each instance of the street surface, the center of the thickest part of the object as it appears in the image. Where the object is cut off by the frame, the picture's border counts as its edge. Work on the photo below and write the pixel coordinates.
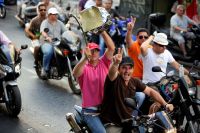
(44, 103)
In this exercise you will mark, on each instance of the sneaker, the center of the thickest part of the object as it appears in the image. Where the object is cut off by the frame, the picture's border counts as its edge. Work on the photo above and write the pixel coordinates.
(43, 74)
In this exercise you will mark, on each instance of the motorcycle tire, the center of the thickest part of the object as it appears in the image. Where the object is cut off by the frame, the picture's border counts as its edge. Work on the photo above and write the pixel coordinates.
(2, 12)
(74, 84)
(196, 124)
(14, 104)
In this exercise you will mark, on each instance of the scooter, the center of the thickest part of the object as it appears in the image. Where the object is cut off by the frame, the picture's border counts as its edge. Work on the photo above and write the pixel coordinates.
(2, 9)
(9, 72)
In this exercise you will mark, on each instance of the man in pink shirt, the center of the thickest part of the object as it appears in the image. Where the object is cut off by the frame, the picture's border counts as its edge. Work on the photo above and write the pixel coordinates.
(91, 72)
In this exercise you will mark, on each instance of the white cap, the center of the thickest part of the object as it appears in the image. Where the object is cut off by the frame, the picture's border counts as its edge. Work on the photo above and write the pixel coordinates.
(161, 38)
(52, 10)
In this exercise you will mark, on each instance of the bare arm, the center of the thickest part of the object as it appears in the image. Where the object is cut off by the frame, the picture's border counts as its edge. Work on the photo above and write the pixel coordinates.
(78, 69)
(110, 45)
(113, 70)
(130, 27)
(145, 45)
(29, 33)
(176, 65)
(157, 97)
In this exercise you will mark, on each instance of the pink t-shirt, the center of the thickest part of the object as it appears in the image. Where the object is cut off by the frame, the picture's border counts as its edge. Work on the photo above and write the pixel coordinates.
(92, 82)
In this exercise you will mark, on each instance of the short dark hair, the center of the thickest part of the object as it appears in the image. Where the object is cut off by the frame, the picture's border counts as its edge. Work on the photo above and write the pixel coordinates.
(142, 30)
(42, 4)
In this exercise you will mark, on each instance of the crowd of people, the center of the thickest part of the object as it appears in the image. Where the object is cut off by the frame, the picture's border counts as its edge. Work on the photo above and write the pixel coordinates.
(107, 79)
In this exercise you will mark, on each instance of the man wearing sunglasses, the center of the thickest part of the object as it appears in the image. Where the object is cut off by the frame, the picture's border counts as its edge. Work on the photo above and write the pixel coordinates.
(134, 53)
(33, 30)
(158, 55)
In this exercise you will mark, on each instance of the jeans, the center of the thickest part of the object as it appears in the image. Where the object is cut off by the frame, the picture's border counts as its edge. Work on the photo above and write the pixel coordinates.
(139, 96)
(93, 122)
(6, 50)
(47, 50)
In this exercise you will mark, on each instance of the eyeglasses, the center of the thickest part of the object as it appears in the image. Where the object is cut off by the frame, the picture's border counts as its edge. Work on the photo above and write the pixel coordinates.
(141, 37)
(42, 10)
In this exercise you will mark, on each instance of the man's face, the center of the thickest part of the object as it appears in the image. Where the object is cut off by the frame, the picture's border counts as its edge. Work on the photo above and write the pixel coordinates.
(98, 3)
(158, 48)
(126, 72)
(180, 11)
(141, 37)
(42, 10)
(52, 17)
(94, 54)
(107, 5)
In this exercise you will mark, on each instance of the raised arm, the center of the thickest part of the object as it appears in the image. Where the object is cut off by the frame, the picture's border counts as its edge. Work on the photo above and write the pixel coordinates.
(78, 69)
(145, 45)
(110, 45)
(130, 27)
(113, 70)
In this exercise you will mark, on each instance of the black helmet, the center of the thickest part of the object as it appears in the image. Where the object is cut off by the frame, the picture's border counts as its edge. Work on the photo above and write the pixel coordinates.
(126, 61)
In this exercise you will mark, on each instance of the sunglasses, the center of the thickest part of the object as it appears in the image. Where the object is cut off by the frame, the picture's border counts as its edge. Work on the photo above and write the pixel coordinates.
(141, 37)
(43, 10)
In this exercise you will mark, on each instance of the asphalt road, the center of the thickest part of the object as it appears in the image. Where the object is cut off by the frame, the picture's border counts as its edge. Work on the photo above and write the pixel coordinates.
(44, 103)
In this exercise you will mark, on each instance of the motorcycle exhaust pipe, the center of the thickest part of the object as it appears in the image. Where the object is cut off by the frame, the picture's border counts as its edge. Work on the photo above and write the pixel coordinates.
(72, 122)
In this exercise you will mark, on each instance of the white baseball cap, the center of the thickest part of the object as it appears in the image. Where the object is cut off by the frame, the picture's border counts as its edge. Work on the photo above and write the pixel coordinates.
(161, 38)
(52, 10)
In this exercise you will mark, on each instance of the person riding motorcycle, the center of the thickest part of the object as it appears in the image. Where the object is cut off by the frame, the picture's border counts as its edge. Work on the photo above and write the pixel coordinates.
(55, 30)
(49, 4)
(91, 72)
(120, 84)
(158, 55)
(178, 25)
(33, 30)
(6, 45)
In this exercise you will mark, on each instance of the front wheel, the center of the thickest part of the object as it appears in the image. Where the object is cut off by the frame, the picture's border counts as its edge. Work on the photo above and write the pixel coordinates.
(74, 84)
(2, 12)
(14, 103)
(196, 125)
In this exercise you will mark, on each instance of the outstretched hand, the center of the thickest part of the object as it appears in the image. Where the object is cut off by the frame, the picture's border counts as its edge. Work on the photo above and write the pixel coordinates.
(131, 24)
(118, 57)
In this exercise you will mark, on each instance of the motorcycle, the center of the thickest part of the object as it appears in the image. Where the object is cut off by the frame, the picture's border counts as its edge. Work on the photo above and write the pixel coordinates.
(117, 31)
(9, 72)
(184, 100)
(67, 53)
(158, 122)
(2, 9)
(26, 11)
(157, 23)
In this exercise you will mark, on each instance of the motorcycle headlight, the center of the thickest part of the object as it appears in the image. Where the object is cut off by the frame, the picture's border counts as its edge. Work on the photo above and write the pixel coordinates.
(17, 68)
(8, 69)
